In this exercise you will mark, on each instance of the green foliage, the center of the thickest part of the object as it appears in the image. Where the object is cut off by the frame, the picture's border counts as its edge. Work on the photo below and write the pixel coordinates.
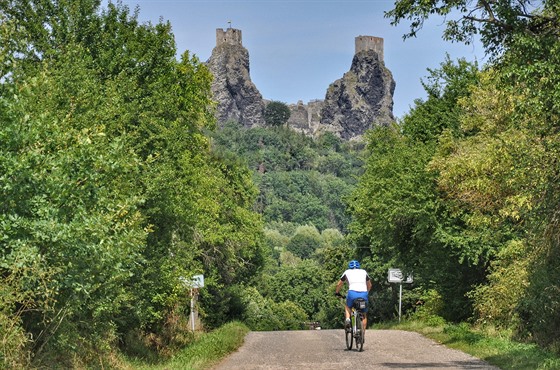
(276, 242)
(499, 172)
(70, 199)
(444, 87)
(400, 217)
(497, 23)
(207, 350)
(497, 166)
(23, 268)
(527, 76)
(304, 197)
(110, 189)
(302, 284)
(430, 308)
(304, 242)
(301, 180)
(496, 302)
(264, 314)
(333, 254)
(276, 113)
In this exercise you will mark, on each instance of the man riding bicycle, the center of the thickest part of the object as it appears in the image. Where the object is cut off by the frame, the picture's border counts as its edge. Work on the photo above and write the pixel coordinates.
(359, 284)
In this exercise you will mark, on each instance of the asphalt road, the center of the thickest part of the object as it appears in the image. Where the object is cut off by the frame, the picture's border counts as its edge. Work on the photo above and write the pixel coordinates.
(326, 349)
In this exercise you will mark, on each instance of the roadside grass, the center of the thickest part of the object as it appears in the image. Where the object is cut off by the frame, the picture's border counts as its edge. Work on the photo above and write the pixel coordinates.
(498, 350)
(207, 351)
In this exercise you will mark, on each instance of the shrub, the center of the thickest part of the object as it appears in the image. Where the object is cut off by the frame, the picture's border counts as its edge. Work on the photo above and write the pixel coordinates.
(276, 113)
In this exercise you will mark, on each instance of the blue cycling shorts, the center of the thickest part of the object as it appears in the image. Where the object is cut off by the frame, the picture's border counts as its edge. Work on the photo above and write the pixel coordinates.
(352, 295)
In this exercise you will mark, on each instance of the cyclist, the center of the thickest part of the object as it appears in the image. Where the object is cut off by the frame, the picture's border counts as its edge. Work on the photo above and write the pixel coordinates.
(359, 284)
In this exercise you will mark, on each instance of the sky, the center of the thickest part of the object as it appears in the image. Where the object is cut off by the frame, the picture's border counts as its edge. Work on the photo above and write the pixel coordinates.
(297, 48)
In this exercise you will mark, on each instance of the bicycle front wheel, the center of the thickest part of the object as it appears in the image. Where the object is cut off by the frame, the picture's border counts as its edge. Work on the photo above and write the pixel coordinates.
(359, 334)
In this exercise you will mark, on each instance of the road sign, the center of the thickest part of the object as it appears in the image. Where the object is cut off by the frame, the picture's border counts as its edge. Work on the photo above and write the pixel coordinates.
(197, 281)
(396, 276)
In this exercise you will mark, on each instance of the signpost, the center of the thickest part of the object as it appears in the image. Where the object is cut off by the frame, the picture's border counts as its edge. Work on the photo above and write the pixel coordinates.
(196, 282)
(396, 276)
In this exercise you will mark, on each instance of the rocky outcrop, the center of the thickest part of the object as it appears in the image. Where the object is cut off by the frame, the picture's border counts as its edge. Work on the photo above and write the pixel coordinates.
(363, 97)
(238, 98)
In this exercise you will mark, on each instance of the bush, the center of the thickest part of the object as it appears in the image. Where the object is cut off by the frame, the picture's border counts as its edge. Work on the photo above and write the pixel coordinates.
(276, 113)
(263, 314)
(497, 301)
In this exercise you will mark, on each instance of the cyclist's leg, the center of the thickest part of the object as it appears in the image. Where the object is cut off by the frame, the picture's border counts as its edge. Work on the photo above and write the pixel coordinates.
(346, 316)
(350, 296)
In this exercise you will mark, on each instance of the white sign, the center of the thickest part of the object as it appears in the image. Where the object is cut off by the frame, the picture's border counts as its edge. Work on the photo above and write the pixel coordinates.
(396, 276)
(197, 281)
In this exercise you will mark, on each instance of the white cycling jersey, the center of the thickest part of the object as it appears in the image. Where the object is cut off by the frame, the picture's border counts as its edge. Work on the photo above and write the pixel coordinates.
(356, 279)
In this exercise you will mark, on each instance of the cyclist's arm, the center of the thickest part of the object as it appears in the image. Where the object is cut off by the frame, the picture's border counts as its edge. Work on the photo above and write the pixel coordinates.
(369, 285)
(339, 285)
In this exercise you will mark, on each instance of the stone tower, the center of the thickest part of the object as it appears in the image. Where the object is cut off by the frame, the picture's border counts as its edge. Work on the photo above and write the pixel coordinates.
(363, 97)
(237, 96)
(370, 43)
(230, 36)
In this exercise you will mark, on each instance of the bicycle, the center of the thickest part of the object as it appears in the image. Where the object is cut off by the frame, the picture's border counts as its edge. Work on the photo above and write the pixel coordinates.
(355, 333)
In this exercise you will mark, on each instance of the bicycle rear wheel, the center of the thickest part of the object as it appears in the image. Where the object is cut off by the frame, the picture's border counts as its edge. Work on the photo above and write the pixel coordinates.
(349, 336)
(359, 333)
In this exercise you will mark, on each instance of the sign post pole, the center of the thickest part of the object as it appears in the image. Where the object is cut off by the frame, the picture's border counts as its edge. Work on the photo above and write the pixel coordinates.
(396, 276)
(194, 284)
(192, 309)
(400, 301)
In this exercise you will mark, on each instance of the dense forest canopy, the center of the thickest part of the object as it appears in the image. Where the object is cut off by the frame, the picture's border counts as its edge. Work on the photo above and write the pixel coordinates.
(110, 190)
(494, 165)
(115, 185)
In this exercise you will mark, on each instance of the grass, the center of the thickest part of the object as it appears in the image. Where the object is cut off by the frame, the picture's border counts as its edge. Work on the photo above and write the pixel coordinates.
(206, 351)
(497, 350)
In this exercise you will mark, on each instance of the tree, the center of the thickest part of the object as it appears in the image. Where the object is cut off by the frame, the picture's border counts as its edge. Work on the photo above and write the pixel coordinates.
(499, 169)
(276, 113)
(497, 23)
(444, 86)
(399, 217)
(112, 192)
(264, 314)
(303, 284)
(70, 200)
(304, 242)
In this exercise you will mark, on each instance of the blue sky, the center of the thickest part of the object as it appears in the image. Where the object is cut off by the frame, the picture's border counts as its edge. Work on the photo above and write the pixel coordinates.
(298, 47)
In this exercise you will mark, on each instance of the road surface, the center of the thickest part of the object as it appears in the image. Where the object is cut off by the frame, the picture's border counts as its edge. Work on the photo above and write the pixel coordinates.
(326, 349)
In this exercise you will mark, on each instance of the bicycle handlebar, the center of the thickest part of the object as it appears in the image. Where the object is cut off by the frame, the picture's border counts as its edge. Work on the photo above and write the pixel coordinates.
(339, 295)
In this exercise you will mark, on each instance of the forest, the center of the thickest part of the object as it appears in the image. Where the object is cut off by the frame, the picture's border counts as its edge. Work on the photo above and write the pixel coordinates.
(117, 183)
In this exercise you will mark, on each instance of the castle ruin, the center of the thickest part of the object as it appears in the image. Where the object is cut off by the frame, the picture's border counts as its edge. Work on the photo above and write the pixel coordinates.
(230, 36)
(362, 98)
(370, 43)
